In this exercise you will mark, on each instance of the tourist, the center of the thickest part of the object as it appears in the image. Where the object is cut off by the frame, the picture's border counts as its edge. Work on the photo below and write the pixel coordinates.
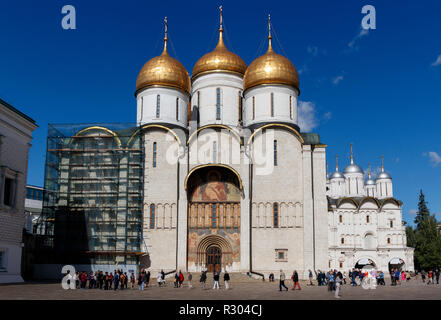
(295, 279)
(77, 280)
(132, 280)
(189, 277)
(344, 277)
(437, 275)
(181, 278)
(282, 281)
(115, 281)
(397, 276)
(122, 280)
(271, 277)
(382, 279)
(331, 280)
(106, 281)
(403, 276)
(110, 280)
(147, 278)
(140, 282)
(159, 279)
(203, 279)
(226, 279)
(423, 276)
(176, 283)
(338, 280)
(430, 277)
(310, 277)
(216, 280)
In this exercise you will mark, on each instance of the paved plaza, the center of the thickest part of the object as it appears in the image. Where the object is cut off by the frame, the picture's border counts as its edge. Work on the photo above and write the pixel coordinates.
(250, 290)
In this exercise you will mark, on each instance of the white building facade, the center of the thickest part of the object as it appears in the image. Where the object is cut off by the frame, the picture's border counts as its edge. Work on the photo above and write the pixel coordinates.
(15, 137)
(365, 222)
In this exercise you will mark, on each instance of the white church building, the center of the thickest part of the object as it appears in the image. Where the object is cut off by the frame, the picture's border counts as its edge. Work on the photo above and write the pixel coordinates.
(248, 190)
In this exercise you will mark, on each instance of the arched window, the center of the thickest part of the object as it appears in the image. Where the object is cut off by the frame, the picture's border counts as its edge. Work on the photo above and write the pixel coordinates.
(177, 109)
(340, 218)
(254, 108)
(275, 152)
(218, 103)
(391, 223)
(290, 107)
(214, 151)
(240, 105)
(154, 154)
(276, 214)
(342, 240)
(367, 219)
(369, 241)
(272, 104)
(152, 216)
(213, 216)
(158, 106)
(388, 240)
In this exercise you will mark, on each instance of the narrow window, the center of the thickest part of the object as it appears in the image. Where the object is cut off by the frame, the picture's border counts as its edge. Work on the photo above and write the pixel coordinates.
(199, 99)
(391, 224)
(388, 240)
(341, 265)
(158, 105)
(290, 107)
(275, 152)
(342, 240)
(7, 192)
(367, 219)
(154, 154)
(240, 106)
(254, 108)
(177, 109)
(213, 216)
(214, 151)
(276, 214)
(272, 104)
(341, 218)
(152, 216)
(218, 103)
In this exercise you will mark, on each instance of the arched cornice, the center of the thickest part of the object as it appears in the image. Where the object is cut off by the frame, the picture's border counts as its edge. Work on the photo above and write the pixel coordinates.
(279, 125)
(157, 126)
(118, 141)
(346, 199)
(365, 199)
(212, 165)
(214, 240)
(208, 126)
(390, 200)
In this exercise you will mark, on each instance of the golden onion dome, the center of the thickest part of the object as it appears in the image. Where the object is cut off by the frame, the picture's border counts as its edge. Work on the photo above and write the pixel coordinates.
(219, 60)
(164, 71)
(271, 68)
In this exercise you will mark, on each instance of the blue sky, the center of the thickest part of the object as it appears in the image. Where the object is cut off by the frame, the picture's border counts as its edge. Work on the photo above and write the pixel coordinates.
(380, 91)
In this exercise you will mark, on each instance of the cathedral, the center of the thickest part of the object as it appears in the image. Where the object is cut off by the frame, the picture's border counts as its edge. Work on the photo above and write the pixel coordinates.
(248, 190)
(216, 174)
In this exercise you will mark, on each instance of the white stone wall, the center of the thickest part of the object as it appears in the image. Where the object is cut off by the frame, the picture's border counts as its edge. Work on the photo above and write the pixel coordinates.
(15, 138)
(147, 103)
(285, 105)
(231, 87)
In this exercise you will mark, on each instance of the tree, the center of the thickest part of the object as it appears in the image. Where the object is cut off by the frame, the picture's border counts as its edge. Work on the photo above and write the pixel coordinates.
(423, 212)
(425, 238)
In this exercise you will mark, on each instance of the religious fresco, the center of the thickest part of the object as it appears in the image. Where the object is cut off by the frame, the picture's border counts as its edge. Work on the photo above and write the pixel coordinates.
(213, 186)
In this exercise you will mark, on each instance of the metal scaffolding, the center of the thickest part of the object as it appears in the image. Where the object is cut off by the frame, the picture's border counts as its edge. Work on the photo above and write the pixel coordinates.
(92, 207)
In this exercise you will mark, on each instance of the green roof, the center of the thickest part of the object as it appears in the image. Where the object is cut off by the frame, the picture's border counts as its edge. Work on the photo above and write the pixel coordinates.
(21, 114)
(311, 138)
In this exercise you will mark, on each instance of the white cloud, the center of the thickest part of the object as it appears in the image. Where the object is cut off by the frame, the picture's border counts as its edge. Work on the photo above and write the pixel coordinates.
(312, 50)
(437, 61)
(307, 116)
(327, 116)
(362, 33)
(337, 79)
(435, 158)
(413, 211)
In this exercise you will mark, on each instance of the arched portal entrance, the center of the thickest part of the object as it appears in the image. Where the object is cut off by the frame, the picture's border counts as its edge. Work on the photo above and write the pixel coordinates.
(214, 194)
(397, 263)
(213, 260)
(365, 263)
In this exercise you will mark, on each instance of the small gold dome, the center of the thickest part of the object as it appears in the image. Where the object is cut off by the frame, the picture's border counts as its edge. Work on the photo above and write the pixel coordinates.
(271, 68)
(164, 71)
(219, 60)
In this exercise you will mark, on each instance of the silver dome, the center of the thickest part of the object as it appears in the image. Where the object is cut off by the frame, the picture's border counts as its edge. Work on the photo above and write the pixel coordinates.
(337, 175)
(352, 168)
(370, 182)
(383, 175)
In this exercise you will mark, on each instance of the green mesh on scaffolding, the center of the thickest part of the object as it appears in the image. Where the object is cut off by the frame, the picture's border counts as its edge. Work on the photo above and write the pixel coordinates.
(92, 208)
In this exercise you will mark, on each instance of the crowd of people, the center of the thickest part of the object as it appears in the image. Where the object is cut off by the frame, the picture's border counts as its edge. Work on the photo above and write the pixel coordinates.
(332, 279)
